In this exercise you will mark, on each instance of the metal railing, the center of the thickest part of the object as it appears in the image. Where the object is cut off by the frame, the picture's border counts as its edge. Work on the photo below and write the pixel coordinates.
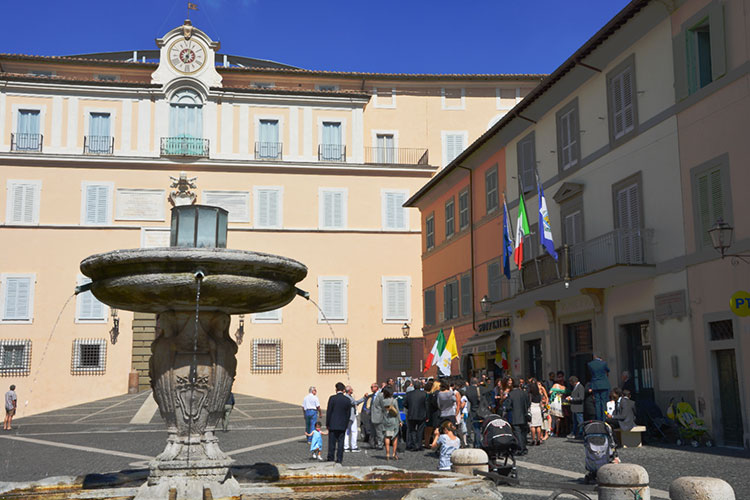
(98, 145)
(400, 156)
(619, 247)
(331, 152)
(184, 146)
(26, 142)
(268, 150)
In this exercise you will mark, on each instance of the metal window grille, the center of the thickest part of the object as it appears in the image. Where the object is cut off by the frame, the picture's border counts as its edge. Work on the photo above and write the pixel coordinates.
(721, 330)
(398, 354)
(333, 355)
(15, 357)
(89, 356)
(267, 356)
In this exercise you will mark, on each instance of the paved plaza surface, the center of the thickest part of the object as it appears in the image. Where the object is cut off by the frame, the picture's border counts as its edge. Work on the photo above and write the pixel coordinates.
(126, 431)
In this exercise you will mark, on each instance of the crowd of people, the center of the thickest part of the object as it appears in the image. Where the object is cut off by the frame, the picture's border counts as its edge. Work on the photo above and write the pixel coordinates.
(446, 414)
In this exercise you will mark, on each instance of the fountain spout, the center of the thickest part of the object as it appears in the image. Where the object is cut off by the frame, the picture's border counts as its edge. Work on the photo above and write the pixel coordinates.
(302, 293)
(83, 288)
(199, 274)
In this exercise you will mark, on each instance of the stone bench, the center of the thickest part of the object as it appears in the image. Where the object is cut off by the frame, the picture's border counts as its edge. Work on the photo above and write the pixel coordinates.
(631, 438)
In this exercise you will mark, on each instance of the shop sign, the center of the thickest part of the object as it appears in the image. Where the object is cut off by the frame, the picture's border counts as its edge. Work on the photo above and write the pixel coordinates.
(740, 303)
(494, 324)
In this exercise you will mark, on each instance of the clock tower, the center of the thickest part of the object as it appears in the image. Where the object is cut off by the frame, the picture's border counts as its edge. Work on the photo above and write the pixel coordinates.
(187, 53)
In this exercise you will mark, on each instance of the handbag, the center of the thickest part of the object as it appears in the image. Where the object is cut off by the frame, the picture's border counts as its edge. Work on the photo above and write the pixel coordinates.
(392, 410)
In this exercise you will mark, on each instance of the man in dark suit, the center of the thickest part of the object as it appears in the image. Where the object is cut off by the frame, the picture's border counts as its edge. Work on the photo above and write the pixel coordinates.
(576, 405)
(518, 409)
(337, 419)
(416, 414)
(599, 384)
(627, 382)
(474, 395)
(624, 414)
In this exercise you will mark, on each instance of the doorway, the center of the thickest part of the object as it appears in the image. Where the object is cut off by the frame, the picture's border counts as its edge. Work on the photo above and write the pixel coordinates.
(533, 350)
(579, 337)
(638, 359)
(729, 396)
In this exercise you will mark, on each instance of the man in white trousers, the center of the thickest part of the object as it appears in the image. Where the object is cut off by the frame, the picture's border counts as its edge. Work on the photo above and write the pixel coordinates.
(352, 429)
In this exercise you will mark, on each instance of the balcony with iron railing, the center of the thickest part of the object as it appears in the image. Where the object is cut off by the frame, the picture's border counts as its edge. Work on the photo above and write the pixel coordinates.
(618, 248)
(25, 142)
(398, 156)
(268, 150)
(332, 152)
(184, 146)
(98, 145)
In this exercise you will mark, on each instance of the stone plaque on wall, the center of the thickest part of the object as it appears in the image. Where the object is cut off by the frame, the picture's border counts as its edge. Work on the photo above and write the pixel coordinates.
(237, 203)
(154, 237)
(670, 305)
(140, 204)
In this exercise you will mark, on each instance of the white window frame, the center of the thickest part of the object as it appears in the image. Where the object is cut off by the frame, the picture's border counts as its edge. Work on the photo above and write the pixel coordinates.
(375, 133)
(258, 318)
(233, 216)
(380, 102)
(256, 131)
(42, 108)
(82, 280)
(384, 209)
(321, 207)
(4, 283)
(384, 285)
(37, 184)
(343, 350)
(445, 103)
(342, 124)
(22, 370)
(110, 191)
(444, 138)
(344, 300)
(159, 195)
(75, 363)
(279, 208)
(87, 110)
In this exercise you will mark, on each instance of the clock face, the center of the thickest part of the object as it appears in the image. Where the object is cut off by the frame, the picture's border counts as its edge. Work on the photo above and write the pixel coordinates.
(187, 56)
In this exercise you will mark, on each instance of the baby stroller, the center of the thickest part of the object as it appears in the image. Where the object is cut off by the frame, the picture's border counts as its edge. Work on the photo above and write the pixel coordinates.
(499, 444)
(599, 443)
(691, 428)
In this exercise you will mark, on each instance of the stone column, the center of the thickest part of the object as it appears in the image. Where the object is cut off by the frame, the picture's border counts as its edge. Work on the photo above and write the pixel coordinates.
(192, 368)
(700, 488)
(623, 482)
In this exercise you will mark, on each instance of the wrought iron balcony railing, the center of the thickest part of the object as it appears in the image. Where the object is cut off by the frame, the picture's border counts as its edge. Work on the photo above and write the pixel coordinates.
(332, 152)
(400, 156)
(26, 142)
(184, 146)
(268, 150)
(98, 145)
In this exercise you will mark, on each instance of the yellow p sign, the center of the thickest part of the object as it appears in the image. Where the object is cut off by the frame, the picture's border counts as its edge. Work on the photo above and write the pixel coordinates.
(740, 303)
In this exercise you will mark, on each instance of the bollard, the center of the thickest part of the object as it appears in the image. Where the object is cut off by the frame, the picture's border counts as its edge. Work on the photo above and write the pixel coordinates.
(133, 382)
(623, 482)
(700, 488)
(465, 460)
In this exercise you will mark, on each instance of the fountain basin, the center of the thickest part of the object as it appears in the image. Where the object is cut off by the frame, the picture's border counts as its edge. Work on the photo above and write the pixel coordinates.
(155, 280)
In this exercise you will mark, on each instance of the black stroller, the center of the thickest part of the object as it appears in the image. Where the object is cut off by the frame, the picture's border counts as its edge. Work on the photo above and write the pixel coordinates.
(599, 443)
(500, 445)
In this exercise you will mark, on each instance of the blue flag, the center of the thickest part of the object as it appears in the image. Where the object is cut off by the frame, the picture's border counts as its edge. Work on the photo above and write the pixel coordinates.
(545, 230)
(507, 241)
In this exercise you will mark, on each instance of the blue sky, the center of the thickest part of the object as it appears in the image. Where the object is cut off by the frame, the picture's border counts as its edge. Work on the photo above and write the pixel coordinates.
(384, 36)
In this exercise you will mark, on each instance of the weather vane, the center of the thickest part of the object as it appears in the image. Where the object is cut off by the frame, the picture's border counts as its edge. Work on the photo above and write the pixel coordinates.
(191, 6)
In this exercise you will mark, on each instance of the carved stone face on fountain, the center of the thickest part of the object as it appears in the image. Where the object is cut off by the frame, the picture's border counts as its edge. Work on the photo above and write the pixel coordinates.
(192, 367)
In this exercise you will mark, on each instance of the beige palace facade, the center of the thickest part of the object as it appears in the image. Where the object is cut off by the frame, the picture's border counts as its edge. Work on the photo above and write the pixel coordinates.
(311, 165)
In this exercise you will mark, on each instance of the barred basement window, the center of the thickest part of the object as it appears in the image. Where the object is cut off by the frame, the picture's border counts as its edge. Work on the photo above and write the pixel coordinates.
(333, 355)
(721, 330)
(89, 356)
(15, 357)
(266, 356)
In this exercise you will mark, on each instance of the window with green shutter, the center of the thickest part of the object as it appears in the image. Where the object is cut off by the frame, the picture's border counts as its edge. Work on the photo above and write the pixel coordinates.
(622, 104)
(711, 197)
(526, 153)
(466, 295)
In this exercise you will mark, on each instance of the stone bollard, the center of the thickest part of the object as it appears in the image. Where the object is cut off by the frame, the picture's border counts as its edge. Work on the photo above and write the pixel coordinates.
(623, 482)
(700, 488)
(465, 460)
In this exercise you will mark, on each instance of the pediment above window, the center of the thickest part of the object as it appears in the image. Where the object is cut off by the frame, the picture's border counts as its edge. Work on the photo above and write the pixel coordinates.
(567, 191)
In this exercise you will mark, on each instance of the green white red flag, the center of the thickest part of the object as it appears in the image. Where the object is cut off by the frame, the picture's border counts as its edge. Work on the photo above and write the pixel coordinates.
(437, 348)
(522, 229)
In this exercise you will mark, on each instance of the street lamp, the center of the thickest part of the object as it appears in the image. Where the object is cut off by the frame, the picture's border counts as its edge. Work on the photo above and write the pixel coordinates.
(405, 330)
(485, 305)
(722, 234)
(114, 332)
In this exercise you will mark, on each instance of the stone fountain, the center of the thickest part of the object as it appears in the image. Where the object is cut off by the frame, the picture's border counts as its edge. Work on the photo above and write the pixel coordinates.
(193, 286)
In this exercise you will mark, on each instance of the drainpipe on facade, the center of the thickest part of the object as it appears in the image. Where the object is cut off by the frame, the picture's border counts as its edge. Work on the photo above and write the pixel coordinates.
(471, 246)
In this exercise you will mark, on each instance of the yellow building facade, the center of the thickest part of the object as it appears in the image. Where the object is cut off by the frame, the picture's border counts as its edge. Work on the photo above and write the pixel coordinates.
(312, 165)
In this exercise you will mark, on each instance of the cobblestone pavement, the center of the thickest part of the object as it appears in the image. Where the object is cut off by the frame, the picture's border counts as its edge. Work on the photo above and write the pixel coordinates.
(101, 436)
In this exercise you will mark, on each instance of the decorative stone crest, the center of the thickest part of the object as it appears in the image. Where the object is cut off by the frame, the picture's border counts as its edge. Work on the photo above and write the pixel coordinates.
(182, 194)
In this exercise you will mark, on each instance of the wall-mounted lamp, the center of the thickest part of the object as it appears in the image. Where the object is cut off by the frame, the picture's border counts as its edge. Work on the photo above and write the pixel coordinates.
(405, 330)
(240, 330)
(485, 305)
(115, 331)
(722, 234)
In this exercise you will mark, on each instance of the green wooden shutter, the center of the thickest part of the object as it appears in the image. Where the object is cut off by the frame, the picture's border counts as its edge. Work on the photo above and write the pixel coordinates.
(704, 210)
(679, 54)
(718, 43)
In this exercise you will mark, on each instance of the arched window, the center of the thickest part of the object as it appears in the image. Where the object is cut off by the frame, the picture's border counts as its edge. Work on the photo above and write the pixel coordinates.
(186, 114)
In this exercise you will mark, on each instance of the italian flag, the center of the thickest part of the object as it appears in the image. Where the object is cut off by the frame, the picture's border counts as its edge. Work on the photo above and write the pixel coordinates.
(522, 229)
(437, 349)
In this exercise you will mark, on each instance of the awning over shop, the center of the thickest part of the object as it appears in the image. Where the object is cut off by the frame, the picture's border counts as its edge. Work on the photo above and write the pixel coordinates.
(481, 343)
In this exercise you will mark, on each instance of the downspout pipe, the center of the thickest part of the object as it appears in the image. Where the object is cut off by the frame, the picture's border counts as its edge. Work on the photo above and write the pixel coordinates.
(471, 244)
